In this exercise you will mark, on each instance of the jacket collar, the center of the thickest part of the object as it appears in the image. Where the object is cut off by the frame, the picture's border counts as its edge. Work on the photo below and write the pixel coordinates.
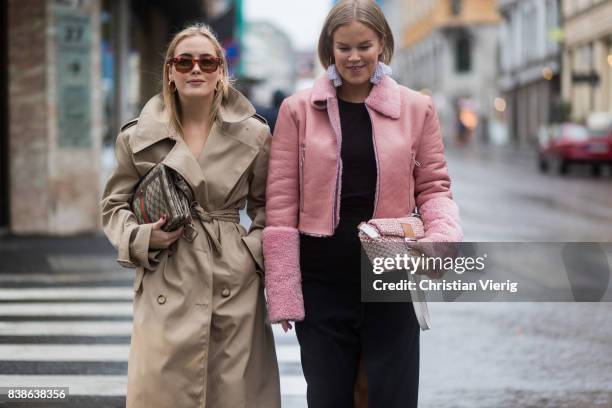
(383, 98)
(154, 122)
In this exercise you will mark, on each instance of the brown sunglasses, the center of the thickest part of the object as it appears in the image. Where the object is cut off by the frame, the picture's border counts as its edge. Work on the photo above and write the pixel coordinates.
(185, 63)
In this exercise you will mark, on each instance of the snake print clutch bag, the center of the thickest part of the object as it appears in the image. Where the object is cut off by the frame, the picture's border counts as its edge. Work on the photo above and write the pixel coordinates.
(164, 191)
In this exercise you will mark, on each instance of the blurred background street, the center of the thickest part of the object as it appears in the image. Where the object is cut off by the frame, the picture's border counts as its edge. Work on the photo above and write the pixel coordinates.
(524, 93)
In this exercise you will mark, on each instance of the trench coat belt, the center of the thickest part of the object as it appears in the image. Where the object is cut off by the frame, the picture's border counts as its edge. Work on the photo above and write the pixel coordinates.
(207, 219)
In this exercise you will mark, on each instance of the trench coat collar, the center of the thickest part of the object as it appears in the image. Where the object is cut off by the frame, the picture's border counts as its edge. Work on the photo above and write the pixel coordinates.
(384, 97)
(154, 123)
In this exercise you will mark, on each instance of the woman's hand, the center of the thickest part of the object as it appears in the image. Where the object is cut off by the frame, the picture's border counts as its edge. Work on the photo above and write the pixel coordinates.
(286, 325)
(162, 239)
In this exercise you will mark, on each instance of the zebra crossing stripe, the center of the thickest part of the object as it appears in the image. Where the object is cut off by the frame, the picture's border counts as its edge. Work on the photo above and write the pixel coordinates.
(293, 385)
(89, 263)
(58, 352)
(288, 353)
(66, 309)
(66, 293)
(94, 352)
(114, 385)
(80, 305)
(95, 329)
(66, 277)
(91, 385)
(278, 331)
(105, 328)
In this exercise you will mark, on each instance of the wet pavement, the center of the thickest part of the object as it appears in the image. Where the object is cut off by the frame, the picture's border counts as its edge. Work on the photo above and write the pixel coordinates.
(517, 355)
(503, 197)
(521, 354)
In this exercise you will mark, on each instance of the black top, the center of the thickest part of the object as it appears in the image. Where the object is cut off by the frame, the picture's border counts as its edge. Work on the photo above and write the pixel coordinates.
(337, 258)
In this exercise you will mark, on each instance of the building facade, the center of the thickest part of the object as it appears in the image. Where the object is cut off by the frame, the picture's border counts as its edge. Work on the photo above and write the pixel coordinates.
(447, 48)
(529, 66)
(54, 117)
(73, 71)
(587, 57)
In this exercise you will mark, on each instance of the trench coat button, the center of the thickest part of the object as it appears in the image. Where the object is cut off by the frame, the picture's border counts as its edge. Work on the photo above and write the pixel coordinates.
(161, 299)
(225, 292)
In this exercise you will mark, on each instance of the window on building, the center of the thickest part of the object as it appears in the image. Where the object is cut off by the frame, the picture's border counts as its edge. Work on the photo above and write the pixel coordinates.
(552, 25)
(586, 55)
(456, 7)
(463, 54)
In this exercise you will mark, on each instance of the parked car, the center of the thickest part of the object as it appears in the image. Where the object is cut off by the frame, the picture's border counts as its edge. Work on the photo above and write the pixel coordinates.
(565, 144)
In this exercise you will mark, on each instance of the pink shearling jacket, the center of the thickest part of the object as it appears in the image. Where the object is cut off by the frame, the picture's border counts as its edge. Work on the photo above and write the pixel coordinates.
(305, 172)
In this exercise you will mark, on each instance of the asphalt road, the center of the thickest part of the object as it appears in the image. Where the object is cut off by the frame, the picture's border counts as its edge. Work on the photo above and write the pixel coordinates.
(521, 354)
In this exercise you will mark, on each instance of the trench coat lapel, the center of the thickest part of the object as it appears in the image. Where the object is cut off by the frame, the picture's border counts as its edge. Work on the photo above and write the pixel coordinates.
(181, 160)
(228, 151)
(225, 159)
(154, 126)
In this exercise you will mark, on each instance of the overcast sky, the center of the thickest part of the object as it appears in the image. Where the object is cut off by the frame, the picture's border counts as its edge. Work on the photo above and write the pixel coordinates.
(301, 19)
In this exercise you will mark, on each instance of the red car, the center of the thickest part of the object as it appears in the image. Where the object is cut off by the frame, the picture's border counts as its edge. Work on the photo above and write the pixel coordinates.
(569, 143)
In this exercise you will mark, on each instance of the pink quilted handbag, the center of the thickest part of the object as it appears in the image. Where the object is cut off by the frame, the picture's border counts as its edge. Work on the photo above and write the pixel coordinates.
(386, 237)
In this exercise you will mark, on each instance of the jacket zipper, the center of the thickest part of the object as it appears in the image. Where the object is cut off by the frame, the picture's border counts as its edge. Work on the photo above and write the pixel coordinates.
(414, 163)
(335, 213)
(302, 158)
(377, 165)
(334, 220)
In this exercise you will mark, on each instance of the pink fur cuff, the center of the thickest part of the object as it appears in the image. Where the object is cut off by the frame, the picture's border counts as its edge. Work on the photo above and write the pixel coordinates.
(283, 279)
(441, 220)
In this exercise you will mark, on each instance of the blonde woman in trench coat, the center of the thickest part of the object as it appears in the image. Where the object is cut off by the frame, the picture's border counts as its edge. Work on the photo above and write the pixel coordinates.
(201, 335)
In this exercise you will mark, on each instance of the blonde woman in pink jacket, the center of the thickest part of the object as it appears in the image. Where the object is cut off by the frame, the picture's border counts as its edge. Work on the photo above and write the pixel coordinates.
(354, 147)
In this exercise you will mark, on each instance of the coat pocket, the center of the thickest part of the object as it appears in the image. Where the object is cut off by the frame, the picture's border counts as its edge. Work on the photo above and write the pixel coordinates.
(160, 258)
(138, 279)
(301, 181)
(253, 247)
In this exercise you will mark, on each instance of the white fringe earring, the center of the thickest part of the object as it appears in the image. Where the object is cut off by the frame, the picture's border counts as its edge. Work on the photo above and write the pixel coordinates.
(381, 70)
(333, 75)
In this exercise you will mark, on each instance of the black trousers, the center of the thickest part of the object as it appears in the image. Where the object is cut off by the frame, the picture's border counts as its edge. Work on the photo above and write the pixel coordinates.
(339, 330)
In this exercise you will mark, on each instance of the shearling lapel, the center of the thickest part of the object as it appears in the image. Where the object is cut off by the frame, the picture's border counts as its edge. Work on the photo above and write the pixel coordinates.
(384, 97)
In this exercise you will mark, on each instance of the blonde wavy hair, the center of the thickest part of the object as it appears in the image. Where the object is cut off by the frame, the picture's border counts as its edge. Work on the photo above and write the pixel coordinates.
(346, 11)
(171, 98)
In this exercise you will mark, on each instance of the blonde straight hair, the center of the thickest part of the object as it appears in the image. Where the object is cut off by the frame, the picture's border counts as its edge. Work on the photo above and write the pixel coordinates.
(171, 98)
(346, 11)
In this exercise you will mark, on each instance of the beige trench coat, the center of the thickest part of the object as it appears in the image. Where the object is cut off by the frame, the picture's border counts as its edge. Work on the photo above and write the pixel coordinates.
(201, 334)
